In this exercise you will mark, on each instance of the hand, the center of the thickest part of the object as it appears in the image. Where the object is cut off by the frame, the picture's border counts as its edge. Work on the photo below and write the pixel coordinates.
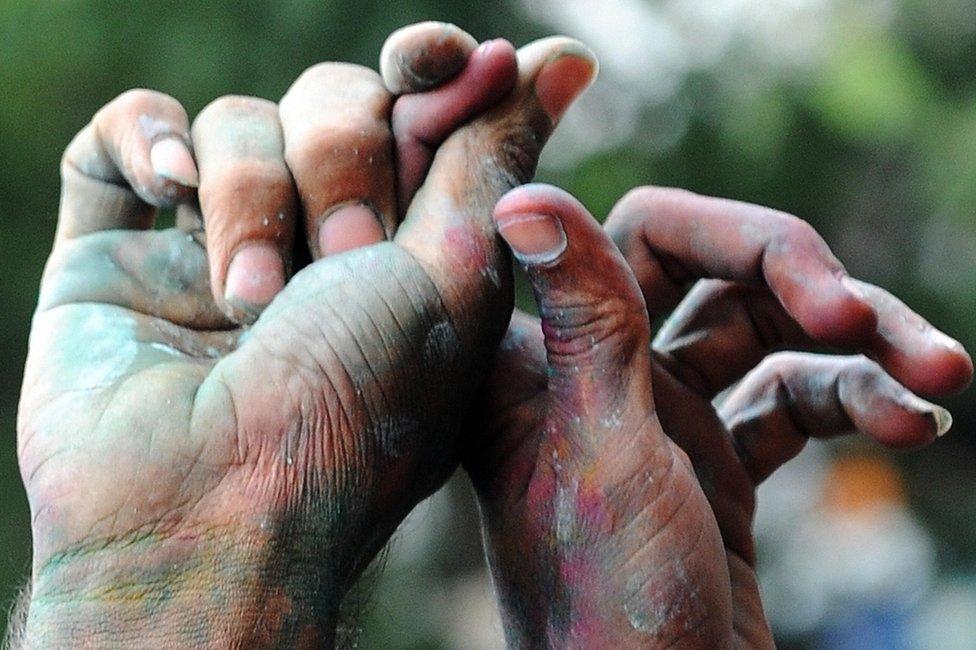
(617, 499)
(193, 482)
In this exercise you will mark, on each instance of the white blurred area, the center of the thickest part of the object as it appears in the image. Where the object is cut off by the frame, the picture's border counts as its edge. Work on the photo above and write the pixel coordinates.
(648, 50)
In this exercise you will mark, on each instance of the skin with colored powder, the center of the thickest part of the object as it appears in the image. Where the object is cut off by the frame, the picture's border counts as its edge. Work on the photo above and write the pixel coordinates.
(617, 497)
(196, 481)
(216, 436)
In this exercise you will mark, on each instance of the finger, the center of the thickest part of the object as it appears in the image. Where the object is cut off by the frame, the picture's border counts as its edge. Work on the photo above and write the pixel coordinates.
(134, 156)
(912, 350)
(419, 57)
(673, 237)
(593, 317)
(723, 329)
(448, 228)
(338, 146)
(421, 122)
(247, 199)
(792, 397)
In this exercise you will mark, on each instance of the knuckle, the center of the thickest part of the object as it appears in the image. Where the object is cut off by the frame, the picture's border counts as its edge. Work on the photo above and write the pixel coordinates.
(139, 99)
(324, 144)
(234, 106)
(140, 103)
(73, 156)
(781, 364)
(515, 152)
(647, 200)
(645, 205)
(790, 231)
(860, 366)
(360, 86)
(581, 329)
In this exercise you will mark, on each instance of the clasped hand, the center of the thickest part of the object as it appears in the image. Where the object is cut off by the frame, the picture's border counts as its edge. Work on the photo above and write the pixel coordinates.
(222, 423)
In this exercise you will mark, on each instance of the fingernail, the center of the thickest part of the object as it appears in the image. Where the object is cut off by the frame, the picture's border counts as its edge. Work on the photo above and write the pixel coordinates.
(563, 79)
(254, 278)
(349, 227)
(534, 238)
(171, 159)
(943, 420)
(939, 416)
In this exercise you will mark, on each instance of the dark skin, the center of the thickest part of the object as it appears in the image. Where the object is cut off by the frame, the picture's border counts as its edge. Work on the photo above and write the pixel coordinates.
(196, 483)
(262, 471)
(617, 496)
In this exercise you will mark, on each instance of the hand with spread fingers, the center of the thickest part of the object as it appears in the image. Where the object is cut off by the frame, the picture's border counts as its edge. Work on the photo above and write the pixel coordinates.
(223, 422)
(617, 490)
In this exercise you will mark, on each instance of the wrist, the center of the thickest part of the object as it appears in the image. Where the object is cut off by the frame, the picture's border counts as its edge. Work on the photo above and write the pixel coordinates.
(219, 588)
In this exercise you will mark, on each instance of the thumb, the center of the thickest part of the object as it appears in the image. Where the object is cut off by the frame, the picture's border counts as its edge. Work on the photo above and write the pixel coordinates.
(447, 227)
(593, 315)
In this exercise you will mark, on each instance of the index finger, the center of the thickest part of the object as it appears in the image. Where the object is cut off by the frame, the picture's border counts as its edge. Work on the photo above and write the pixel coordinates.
(673, 237)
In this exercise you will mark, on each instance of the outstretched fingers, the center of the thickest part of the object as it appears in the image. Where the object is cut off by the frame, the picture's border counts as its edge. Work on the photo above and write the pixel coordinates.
(673, 237)
(792, 397)
(778, 284)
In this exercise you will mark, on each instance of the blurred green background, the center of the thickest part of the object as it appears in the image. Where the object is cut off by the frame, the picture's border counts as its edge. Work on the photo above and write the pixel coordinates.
(858, 116)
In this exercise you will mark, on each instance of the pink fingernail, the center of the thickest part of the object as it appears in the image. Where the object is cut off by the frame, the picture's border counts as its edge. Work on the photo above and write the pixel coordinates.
(349, 227)
(563, 79)
(254, 278)
(171, 159)
(534, 238)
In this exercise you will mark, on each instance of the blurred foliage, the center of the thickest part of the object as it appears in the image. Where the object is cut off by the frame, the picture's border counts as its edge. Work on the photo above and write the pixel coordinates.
(874, 146)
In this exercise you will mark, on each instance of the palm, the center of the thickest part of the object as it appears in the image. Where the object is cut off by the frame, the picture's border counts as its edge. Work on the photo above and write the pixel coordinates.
(104, 380)
(185, 414)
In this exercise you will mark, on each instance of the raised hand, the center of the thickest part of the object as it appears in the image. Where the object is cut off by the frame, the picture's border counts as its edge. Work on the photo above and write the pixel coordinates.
(617, 499)
(193, 482)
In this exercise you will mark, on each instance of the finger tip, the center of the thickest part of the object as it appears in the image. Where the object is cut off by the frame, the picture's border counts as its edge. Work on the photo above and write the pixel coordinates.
(928, 422)
(534, 238)
(494, 66)
(953, 362)
(420, 56)
(498, 51)
(936, 373)
(906, 422)
(567, 73)
(171, 160)
(947, 372)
